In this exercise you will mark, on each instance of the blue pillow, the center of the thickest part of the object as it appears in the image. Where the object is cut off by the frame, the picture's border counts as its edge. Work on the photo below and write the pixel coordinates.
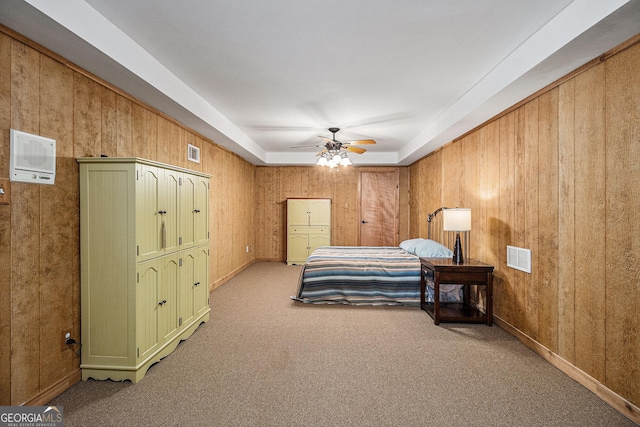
(410, 245)
(432, 249)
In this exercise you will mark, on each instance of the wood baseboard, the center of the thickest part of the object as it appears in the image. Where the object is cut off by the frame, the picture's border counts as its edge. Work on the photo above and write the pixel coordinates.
(614, 400)
(54, 390)
(229, 276)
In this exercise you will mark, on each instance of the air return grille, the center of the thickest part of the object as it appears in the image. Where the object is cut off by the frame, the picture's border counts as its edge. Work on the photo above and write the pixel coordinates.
(519, 258)
(193, 153)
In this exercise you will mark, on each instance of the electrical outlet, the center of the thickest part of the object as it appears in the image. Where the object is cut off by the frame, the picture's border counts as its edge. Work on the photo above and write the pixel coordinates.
(65, 334)
(5, 192)
(247, 249)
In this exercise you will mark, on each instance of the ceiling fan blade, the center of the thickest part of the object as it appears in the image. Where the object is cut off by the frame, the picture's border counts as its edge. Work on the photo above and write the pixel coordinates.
(362, 142)
(357, 150)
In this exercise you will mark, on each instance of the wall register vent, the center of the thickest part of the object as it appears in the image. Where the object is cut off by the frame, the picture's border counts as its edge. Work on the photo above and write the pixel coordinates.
(193, 153)
(519, 258)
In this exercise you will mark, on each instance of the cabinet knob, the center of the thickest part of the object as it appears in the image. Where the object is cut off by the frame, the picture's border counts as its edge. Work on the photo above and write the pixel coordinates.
(163, 302)
(196, 284)
(197, 210)
(364, 222)
(162, 212)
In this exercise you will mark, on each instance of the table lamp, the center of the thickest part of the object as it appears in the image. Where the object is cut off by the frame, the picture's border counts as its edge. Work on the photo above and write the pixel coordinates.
(458, 219)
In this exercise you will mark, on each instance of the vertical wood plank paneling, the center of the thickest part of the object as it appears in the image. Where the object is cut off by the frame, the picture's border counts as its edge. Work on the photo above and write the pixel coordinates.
(169, 143)
(548, 184)
(504, 279)
(623, 224)
(432, 190)
(144, 133)
(519, 217)
(531, 175)
(404, 221)
(5, 224)
(59, 270)
(414, 200)
(489, 193)
(163, 140)
(453, 176)
(109, 132)
(87, 116)
(207, 159)
(469, 199)
(589, 213)
(265, 242)
(25, 228)
(222, 199)
(124, 132)
(566, 222)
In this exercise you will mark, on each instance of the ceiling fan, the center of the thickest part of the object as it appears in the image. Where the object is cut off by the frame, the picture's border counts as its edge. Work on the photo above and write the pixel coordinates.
(334, 152)
(332, 144)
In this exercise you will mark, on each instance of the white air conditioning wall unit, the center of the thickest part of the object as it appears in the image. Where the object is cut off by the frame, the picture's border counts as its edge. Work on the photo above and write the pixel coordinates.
(32, 158)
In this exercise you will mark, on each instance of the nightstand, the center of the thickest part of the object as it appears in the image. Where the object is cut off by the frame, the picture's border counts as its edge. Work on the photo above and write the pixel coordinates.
(441, 271)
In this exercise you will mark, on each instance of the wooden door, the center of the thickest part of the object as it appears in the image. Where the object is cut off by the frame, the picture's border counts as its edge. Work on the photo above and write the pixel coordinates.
(379, 194)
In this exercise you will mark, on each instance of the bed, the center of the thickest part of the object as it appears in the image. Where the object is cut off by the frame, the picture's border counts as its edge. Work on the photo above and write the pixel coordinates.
(365, 275)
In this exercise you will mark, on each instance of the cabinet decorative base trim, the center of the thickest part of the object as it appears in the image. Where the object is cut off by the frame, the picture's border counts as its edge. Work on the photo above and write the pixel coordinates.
(135, 374)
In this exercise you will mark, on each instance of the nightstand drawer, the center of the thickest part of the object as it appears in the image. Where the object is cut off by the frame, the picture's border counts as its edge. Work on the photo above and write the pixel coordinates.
(457, 277)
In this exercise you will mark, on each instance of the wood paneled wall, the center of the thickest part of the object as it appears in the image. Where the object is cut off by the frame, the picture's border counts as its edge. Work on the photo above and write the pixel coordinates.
(560, 175)
(39, 230)
(275, 184)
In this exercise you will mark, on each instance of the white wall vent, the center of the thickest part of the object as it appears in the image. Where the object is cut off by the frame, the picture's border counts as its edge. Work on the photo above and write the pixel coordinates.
(193, 153)
(32, 158)
(519, 258)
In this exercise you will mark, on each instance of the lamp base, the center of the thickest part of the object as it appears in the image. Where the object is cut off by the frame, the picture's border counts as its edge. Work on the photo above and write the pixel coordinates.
(457, 251)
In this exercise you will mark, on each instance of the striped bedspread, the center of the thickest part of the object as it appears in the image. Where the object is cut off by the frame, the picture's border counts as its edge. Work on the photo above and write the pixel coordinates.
(360, 275)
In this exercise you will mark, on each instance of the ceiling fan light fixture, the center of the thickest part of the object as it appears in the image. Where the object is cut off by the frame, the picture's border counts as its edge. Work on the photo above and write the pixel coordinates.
(322, 161)
(345, 161)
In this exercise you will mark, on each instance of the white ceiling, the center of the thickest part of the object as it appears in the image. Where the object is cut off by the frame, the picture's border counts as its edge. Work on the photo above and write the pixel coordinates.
(260, 77)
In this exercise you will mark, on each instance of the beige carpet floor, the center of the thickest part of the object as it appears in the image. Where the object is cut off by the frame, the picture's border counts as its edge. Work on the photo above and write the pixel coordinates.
(264, 360)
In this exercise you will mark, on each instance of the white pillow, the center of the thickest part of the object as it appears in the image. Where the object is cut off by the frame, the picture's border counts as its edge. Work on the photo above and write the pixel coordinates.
(432, 249)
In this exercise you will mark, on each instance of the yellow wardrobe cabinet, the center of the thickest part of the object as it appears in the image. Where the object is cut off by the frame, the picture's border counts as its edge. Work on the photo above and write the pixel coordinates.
(144, 243)
(308, 227)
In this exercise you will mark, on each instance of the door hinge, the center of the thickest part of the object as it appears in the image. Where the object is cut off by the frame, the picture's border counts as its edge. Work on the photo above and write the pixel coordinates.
(180, 263)
(180, 240)
(138, 250)
(138, 351)
(138, 278)
(180, 181)
(180, 321)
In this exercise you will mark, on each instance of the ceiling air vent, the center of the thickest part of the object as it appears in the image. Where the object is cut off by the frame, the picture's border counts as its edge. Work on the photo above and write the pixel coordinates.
(519, 258)
(193, 153)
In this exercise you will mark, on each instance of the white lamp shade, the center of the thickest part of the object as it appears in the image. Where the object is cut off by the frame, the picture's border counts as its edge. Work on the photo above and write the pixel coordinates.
(322, 161)
(458, 219)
